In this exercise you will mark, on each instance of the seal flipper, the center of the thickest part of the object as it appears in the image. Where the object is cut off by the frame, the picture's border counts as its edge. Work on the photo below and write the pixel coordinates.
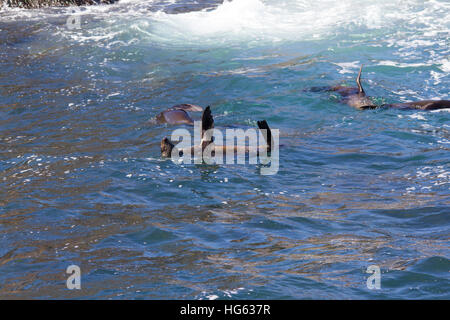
(318, 89)
(166, 148)
(174, 116)
(187, 107)
(264, 127)
(358, 81)
(207, 123)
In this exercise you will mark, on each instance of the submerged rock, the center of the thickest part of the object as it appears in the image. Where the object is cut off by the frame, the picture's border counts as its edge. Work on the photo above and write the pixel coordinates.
(31, 4)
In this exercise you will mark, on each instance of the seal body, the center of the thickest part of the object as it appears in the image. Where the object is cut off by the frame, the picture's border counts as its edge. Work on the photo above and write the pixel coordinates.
(355, 97)
(421, 105)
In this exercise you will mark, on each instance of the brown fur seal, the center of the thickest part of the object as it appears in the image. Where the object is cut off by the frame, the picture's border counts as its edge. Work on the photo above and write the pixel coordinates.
(178, 114)
(354, 97)
(208, 123)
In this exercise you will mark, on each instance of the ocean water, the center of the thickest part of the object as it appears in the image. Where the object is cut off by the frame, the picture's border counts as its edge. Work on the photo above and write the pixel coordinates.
(82, 181)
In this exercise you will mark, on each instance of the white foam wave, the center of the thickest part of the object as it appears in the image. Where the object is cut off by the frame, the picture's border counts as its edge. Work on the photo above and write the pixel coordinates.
(278, 20)
(253, 21)
(256, 20)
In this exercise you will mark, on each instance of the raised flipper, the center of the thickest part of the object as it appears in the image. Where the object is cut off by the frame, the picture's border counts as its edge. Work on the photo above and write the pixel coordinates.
(166, 148)
(267, 133)
(358, 81)
(207, 123)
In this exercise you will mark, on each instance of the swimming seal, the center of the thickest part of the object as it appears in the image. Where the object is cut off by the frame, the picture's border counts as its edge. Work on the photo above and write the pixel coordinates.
(178, 114)
(354, 97)
(208, 123)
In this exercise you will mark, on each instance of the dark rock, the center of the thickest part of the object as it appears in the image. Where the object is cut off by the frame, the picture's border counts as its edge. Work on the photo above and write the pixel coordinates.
(32, 4)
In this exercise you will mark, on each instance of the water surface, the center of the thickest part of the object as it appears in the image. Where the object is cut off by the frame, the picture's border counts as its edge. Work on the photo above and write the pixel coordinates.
(82, 181)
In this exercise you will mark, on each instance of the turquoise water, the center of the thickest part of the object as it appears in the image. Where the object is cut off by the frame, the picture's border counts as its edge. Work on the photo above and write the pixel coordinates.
(82, 181)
